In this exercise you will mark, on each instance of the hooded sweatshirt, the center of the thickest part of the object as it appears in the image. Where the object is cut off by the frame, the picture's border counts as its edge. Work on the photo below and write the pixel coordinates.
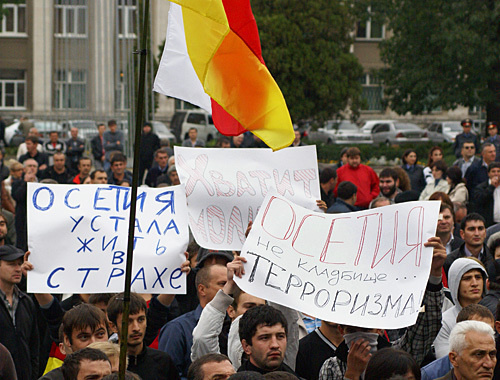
(457, 270)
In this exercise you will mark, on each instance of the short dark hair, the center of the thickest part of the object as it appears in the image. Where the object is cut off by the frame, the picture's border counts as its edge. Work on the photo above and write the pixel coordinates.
(493, 165)
(473, 216)
(455, 174)
(195, 371)
(389, 172)
(203, 276)
(260, 315)
(33, 139)
(81, 317)
(71, 365)
(493, 246)
(327, 174)
(193, 129)
(115, 306)
(98, 125)
(118, 157)
(161, 150)
(83, 158)
(474, 309)
(353, 152)
(100, 298)
(440, 165)
(387, 362)
(346, 190)
(128, 376)
(93, 173)
(112, 122)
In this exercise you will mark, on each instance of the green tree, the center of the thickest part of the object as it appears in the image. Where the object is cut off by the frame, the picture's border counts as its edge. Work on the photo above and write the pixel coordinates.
(440, 53)
(306, 46)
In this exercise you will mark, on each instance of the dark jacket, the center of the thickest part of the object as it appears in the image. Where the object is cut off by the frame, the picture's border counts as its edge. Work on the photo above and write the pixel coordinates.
(460, 252)
(55, 374)
(152, 364)
(97, 148)
(340, 206)
(63, 178)
(247, 366)
(490, 300)
(482, 202)
(153, 174)
(22, 339)
(417, 178)
(150, 142)
(476, 173)
(40, 158)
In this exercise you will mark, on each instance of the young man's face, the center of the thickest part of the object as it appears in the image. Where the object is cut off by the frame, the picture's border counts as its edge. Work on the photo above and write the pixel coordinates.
(268, 347)
(100, 178)
(81, 338)
(137, 324)
(112, 128)
(93, 369)
(118, 167)
(3, 228)
(468, 150)
(217, 371)
(193, 134)
(59, 161)
(387, 186)
(471, 287)
(245, 302)
(354, 161)
(30, 146)
(162, 159)
(474, 233)
(10, 271)
(53, 137)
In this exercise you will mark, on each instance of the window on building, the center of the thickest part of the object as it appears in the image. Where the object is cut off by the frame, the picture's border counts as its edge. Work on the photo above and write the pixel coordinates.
(372, 92)
(70, 18)
(71, 89)
(127, 18)
(14, 19)
(370, 29)
(122, 94)
(12, 89)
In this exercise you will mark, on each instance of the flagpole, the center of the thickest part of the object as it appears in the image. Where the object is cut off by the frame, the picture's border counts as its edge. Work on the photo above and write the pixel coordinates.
(135, 181)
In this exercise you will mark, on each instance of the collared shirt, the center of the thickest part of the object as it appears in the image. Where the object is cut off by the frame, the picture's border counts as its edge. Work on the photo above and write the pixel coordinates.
(311, 323)
(448, 245)
(469, 253)
(466, 165)
(15, 301)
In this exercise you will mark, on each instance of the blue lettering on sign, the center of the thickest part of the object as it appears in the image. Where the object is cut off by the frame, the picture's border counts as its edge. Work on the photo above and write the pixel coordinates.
(98, 198)
(169, 203)
(85, 245)
(77, 222)
(171, 225)
(141, 198)
(92, 223)
(117, 257)
(119, 272)
(112, 240)
(136, 239)
(143, 278)
(116, 219)
(158, 277)
(35, 197)
(49, 279)
(172, 277)
(154, 223)
(86, 274)
(138, 225)
(66, 199)
(118, 190)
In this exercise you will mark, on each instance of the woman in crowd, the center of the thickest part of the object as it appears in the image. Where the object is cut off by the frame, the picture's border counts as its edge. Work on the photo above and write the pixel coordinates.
(435, 154)
(439, 182)
(414, 171)
(458, 191)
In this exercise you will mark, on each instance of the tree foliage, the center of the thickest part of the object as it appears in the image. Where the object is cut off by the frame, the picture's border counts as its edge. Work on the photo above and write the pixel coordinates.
(306, 47)
(440, 53)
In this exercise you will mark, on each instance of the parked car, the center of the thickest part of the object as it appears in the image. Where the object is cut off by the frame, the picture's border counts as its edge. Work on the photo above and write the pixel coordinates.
(441, 131)
(87, 129)
(159, 128)
(369, 124)
(340, 132)
(14, 137)
(391, 133)
(182, 121)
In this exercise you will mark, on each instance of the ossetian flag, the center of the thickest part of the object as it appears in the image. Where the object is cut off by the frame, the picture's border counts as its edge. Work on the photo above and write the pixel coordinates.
(212, 58)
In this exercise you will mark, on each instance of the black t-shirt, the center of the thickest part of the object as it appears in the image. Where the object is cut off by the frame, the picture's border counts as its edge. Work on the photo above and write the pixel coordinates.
(314, 349)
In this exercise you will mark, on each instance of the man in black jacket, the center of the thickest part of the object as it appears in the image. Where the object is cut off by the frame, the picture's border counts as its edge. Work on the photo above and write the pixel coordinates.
(263, 333)
(97, 147)
(146, 362)
(150, 143)
(473, 232)
(483, 199)
(18, 327)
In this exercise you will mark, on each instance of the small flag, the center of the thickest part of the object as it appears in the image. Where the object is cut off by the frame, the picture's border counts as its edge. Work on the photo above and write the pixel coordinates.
(212, 59)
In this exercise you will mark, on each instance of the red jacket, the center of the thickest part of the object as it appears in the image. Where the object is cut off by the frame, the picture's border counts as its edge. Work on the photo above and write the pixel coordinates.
(364, 178)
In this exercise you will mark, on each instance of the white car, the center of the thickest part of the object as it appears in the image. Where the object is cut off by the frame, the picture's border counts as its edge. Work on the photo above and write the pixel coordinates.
(340, 132)
(440, 131)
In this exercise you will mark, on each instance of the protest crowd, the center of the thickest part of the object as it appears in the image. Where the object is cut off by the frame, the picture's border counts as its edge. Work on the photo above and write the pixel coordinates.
(216, 330)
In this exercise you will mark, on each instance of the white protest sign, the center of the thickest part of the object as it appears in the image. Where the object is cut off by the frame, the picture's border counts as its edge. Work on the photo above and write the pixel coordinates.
(77, 236)
(225, 187)
(366, 268)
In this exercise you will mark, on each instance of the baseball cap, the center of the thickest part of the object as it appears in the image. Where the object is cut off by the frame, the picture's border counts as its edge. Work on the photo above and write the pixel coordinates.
(10, 253)
(204, 254)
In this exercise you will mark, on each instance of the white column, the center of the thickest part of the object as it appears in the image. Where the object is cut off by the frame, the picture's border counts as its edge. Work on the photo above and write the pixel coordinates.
(43, 37)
